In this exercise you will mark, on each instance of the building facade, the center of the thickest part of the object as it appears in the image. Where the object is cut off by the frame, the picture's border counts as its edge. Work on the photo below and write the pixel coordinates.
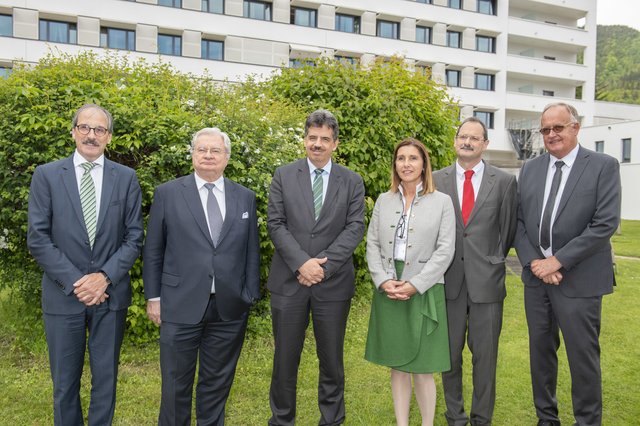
(503, 60)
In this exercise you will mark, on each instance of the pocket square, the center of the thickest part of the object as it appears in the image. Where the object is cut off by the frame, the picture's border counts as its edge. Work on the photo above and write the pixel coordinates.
(245, 215)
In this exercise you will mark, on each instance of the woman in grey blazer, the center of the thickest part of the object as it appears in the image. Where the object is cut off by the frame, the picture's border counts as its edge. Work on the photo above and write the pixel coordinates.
(410, 244)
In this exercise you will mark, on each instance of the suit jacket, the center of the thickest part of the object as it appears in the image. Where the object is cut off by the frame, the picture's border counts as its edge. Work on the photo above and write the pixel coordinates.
(180, 259)
(58, 239)
(483, 244)
(587, 216)
(297, 236)
(430, 241)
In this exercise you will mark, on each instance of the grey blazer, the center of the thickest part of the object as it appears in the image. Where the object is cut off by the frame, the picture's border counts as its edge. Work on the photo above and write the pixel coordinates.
(586, 218)
(180, 259)
(482, 245)
(430, 244)
(58, 240)
(297, 236)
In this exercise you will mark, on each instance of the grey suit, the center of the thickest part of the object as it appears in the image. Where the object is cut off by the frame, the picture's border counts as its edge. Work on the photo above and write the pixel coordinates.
(586, 218)
(475, 288)
(58, 240)
(297, 237)
(180, 261)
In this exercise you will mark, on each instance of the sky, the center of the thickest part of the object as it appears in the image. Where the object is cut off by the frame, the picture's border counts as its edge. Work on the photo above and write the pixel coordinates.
(619, 12)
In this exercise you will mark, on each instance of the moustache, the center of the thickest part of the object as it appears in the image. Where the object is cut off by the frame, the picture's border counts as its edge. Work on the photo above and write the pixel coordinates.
(467, 147)
(91, 142)
(316, 148)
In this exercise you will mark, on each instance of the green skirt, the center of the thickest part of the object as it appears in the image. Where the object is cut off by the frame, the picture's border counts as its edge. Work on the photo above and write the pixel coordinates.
(410, 335)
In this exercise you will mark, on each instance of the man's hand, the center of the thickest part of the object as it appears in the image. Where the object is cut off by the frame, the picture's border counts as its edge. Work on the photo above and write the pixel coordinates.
(553, 279)
(544, 267)
(311, 271)
(153, 311)
(90, 289)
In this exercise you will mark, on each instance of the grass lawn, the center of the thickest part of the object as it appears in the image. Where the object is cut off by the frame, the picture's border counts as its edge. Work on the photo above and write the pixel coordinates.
(26, 396)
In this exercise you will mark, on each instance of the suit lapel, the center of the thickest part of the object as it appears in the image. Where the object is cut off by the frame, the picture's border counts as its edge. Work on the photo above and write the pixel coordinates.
(68, 175)
(335, 181)
(540, 180)
(486, 186)
(579, 166)
(451, 187)
(231, 208)
(109, 178)
(194, 204)
(304, 184)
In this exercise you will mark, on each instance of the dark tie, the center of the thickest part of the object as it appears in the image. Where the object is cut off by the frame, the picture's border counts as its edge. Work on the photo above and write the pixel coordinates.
(317, 192)
(88, 201)
(545, 228)
(213, 213)
(468, 198)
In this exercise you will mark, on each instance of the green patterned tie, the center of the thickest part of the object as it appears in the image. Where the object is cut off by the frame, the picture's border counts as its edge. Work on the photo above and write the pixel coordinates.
(88, 201)
(317, 192)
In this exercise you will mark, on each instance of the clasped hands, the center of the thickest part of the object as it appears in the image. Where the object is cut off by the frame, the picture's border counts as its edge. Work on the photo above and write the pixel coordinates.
(398, 290)
(548, 270)
(311, 272)
(91, 289)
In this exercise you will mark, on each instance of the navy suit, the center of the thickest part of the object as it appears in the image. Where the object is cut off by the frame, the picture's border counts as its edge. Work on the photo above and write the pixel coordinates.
(588, 214)
(180, 262)
(58, 240)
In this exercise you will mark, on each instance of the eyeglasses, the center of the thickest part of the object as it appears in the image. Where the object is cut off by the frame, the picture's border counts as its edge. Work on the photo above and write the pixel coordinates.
(99, 131)
(402, 227)
(470, 138)
(213, 151)
(556, 129)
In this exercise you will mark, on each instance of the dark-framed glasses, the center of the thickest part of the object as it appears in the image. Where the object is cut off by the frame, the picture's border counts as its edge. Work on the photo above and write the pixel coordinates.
(470, 138)
(558, 128)
(84, 129)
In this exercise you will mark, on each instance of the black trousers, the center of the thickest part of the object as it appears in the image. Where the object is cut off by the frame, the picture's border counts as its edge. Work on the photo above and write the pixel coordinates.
(290, 316)
(217, 344)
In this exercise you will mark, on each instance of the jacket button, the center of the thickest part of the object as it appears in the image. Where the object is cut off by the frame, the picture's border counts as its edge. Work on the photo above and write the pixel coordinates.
(408, 263)
(462, 258)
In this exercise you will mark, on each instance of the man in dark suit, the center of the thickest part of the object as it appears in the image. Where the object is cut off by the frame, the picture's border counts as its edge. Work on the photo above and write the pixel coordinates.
(315, 220)
(485, 202)
(569, 208)
(85, 232)
(201, 274)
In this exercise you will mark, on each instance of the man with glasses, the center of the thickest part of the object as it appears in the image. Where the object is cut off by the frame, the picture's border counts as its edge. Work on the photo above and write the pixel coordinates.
(85, 232)
(569, 208)
(201, 275)
(485, 203)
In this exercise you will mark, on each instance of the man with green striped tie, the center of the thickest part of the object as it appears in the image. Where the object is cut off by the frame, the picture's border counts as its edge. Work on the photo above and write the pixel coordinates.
(85, 232)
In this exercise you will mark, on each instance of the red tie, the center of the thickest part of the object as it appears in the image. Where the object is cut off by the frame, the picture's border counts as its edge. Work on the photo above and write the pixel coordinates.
(467, 196)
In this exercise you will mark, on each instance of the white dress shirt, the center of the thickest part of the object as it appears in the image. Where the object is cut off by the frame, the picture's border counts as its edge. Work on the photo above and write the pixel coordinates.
(476, 180)
(96, 174)
(326, 171)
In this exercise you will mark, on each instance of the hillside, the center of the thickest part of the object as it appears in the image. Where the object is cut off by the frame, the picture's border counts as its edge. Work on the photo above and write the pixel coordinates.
(618, 64)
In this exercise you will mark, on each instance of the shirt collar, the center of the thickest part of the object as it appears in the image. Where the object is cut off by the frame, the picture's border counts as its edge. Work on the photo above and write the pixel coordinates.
(79, 159)
(568, 159)
(219, 183)
(312, 168)
(478, 168)
(418, 189)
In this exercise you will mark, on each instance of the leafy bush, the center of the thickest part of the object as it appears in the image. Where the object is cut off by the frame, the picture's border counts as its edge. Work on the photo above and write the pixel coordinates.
(156, 110)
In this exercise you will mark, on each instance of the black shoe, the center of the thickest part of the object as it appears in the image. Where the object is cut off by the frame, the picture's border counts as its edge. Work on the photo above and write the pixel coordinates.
(548, 423)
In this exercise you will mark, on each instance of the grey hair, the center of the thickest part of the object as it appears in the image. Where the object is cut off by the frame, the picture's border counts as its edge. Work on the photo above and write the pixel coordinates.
(569, 108)
(215, 132)
(74, 121)
(319, 118)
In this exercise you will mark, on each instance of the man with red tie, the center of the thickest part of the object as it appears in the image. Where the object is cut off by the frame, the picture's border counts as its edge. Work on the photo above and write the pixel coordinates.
(485, 202)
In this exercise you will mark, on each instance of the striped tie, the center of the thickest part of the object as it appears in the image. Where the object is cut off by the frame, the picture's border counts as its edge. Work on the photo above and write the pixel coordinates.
(317, 192)
(88, 201)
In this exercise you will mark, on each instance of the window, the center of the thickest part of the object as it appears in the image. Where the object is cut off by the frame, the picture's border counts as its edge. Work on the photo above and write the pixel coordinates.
(213, 6)
(487, 7)
(348, 23)
(485, 44)
(452, 78)
(424, 1)
(455, 4)
(212, 49)
(548, 93)
(115, 38)
(388, 29)
(304, 17)
(423, 34)
(347, 60)
(300, 62)
(257, 10)
(485, 81)
(626, 150)
(6, 25)
(550, 58)
(486, 117)
(169, 45)
(58, 32)
(453, 39)
(170, 3)
(599, 146)
(423, 70)
(4, 72)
